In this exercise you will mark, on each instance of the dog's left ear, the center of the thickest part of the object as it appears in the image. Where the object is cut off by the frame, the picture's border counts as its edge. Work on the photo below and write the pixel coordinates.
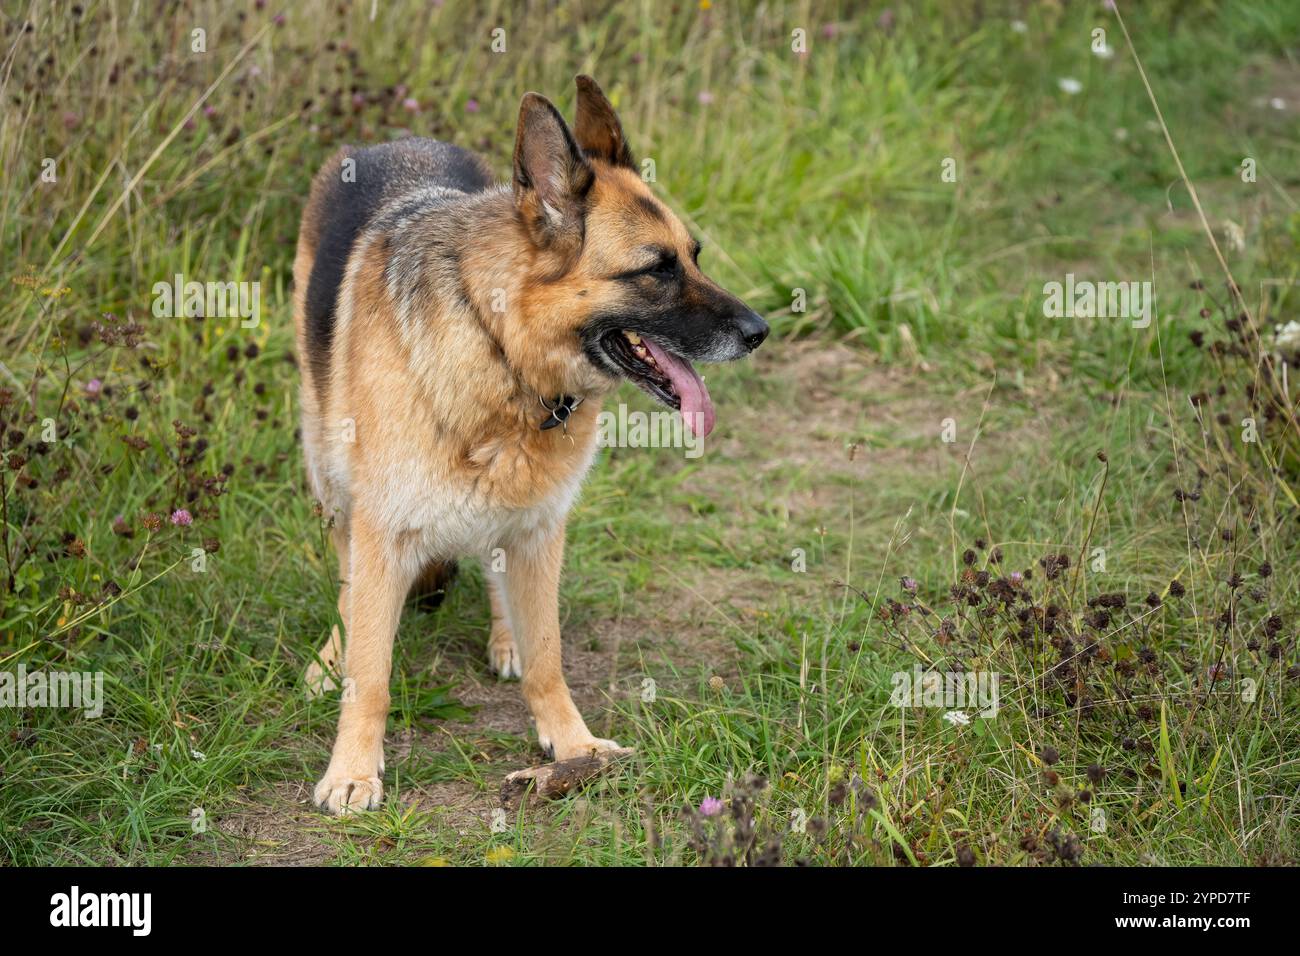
(552, 176)
(598, 130)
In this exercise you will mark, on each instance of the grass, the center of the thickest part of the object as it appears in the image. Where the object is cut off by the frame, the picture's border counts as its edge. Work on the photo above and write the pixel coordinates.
(922, 303)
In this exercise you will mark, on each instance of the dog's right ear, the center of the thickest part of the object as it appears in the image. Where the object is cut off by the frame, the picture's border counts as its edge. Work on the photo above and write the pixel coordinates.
(551, 176)
(597, 128)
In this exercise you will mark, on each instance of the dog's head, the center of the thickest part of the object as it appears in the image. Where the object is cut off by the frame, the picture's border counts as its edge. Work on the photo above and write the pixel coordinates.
(617, 274)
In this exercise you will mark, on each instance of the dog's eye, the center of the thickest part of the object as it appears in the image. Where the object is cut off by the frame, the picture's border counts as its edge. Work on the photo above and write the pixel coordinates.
(665, 268)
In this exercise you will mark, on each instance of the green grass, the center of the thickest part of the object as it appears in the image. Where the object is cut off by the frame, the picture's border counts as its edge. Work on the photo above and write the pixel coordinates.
(819, 173)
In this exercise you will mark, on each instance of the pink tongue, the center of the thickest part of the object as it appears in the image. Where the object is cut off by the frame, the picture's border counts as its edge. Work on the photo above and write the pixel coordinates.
(697, 407)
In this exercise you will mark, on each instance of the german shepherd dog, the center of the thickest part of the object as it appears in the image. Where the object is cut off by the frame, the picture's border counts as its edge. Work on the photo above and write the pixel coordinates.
(458, 337)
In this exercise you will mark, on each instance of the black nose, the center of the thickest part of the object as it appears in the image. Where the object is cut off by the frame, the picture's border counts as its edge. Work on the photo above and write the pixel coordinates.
(753, 330)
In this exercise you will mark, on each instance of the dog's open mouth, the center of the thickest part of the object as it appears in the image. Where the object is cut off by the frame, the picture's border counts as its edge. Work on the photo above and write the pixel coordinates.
(665, 377)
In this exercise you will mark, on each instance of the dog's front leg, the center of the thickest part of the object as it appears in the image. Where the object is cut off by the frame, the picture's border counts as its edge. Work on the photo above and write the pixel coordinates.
(531, 584)
(380, 577)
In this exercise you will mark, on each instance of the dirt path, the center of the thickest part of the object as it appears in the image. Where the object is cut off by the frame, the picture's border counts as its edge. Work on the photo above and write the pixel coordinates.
(787, 452)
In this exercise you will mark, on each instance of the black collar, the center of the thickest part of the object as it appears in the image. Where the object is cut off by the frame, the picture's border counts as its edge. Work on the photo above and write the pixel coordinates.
(560, 408)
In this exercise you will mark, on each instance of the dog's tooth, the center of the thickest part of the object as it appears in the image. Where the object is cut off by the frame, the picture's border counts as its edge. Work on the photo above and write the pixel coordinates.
(633, 338)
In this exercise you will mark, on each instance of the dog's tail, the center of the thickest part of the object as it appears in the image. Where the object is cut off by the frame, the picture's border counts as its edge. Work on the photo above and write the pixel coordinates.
(431, 586)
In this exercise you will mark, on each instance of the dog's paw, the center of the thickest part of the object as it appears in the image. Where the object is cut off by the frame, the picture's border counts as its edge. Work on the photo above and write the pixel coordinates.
(319, 681)
(581, 747)
(503, 658)
(340, 793)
